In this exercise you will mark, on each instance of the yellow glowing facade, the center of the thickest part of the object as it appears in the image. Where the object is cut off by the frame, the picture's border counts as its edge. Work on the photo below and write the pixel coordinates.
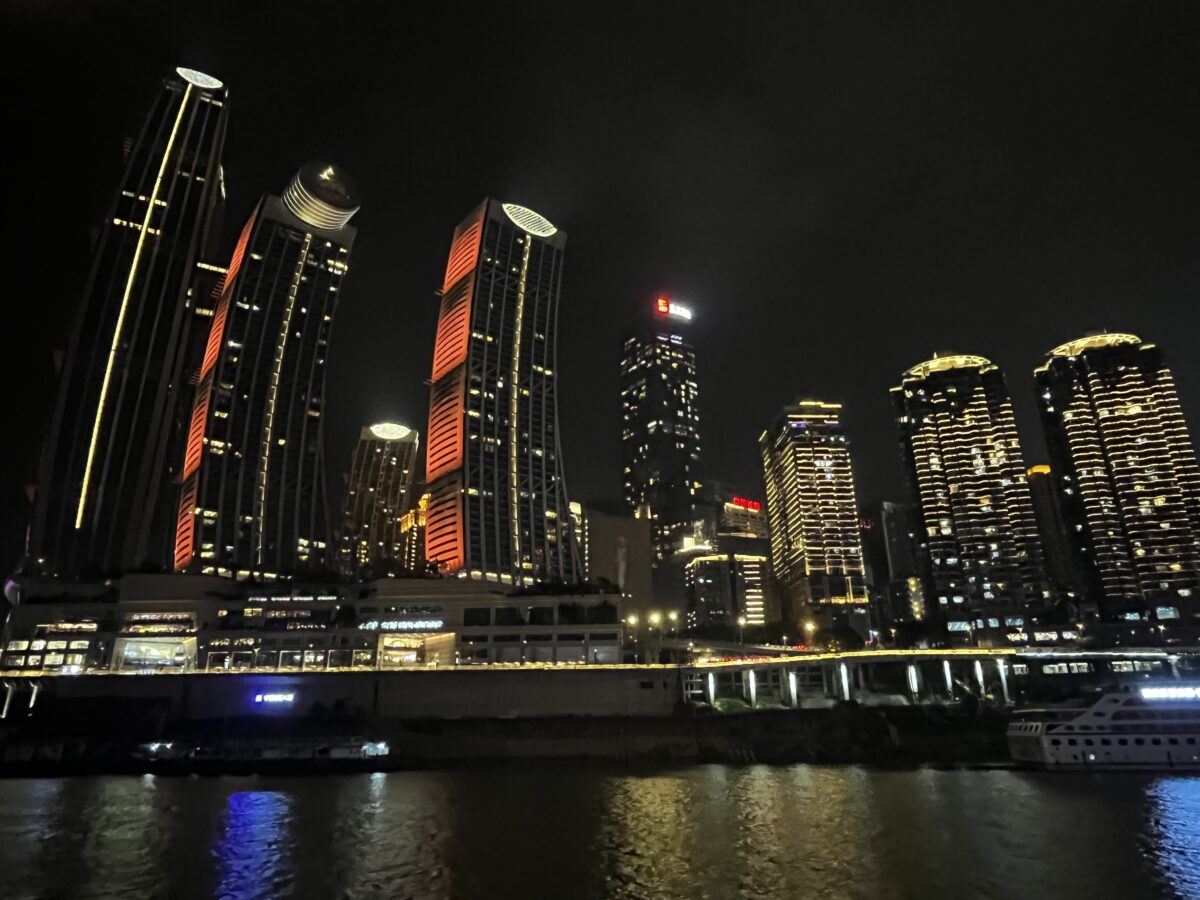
(1127, 479)
(982, 555)
(816, 549)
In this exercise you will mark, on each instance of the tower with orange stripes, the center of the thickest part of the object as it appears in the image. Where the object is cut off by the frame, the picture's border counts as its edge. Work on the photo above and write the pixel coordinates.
(498, 508)
(252, 486)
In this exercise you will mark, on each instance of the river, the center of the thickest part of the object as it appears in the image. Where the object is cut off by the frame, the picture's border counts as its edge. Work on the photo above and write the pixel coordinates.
(580, 831)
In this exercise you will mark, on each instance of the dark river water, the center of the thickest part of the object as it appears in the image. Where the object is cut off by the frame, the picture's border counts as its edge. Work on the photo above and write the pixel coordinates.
(559, 831)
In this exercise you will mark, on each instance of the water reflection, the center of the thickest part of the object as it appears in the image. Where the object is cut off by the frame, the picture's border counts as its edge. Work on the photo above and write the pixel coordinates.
(251, 852)
(1175, 832)
(586, 831)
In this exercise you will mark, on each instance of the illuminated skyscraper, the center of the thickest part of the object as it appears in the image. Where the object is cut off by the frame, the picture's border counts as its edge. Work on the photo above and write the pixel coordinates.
(377, 496)
(1125, 472)
(498, 506)
(727, 578)
(253, 485)
(106, 493)
(412, 536)
(660, 428)
(816, 552)
(980, 553)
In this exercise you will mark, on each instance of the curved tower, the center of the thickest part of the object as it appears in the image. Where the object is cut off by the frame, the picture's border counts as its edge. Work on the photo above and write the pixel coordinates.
(982, 556)
(105, 499)
(377, 497)
(1125, 474)
(498, 504)
(253, 500)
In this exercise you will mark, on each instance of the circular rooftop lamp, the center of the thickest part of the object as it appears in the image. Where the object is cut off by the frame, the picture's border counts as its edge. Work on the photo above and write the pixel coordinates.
(527, 219)
(322, 195)
(390, 431)
(199, 79)
(1093, 342)
(948, 362)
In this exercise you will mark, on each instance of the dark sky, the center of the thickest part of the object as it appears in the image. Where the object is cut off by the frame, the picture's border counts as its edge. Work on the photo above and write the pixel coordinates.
(837, 189)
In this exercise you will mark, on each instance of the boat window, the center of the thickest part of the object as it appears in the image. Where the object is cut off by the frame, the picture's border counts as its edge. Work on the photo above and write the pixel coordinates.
(1139, 741)
(1172, 741)
(1156, 742)
(1191, 740)
(1081, 667)
(1123, 742)
(1072, 741)
(1101, 714)
(1056, 742)
(1105, 742)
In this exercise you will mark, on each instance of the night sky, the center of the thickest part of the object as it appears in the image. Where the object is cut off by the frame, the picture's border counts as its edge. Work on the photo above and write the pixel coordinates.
(836, 189)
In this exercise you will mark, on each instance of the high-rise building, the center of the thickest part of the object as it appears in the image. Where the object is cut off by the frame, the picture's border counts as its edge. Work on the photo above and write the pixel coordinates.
(981, 558)
(727, 576)
(1125, 472)
(615, 547)
(889, 537)
(1062, 566)
(412, 536)
(106, 496)
(252, 501)
(816, 553)
(377, 496)
(498, 507)
(660, 430)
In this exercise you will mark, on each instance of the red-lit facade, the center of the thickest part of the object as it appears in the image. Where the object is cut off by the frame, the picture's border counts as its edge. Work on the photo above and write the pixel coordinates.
(497, 501)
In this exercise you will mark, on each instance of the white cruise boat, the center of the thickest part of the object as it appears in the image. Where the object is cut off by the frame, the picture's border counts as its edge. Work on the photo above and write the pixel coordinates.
(1138, 726)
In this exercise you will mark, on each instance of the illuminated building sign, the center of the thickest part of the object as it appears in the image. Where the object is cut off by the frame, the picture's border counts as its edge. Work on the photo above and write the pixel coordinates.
(401, 625)
(1171, 692)
(752, 505)
(276, 699)
(664, 307)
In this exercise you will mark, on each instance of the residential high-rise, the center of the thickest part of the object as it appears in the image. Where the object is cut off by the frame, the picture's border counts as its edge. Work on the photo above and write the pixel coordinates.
(377, 496)
(816, 552)
(981, 558)
(1126, 474)
(412, 536)
(252, 501)
(660, 427)
(106, 496)
(498, 507)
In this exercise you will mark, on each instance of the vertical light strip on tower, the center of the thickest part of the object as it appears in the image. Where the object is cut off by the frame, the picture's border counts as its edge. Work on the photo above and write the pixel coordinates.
(116, 340)
(514, 404)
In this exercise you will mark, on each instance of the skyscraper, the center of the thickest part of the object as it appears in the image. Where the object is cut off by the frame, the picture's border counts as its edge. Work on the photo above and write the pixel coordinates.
(1126, 474)
(253, 485)
(660, 429)
(727, 579)
(498, 507)
(1062, 564)
(981, 557)
(816, 552)
(106, 494)
(377, 496)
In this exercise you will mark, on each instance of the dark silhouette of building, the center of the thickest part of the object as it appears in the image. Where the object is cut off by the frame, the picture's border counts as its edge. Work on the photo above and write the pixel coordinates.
(106, 495)
(252, 501)
(1062, 566)
(660, 422)
(981, 557)
(498, 507)
(378, 490)
(1125, 475)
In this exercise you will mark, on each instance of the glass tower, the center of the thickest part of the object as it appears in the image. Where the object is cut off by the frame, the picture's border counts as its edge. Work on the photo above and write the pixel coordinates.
(377, 496)
(1125, 474)
(981, 556)
(253, 500)
(106, 482)
(816, 548)
(660, 427)
(498, 507)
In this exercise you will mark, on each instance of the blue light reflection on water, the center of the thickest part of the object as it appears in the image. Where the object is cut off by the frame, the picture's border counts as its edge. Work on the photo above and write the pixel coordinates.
(1175, 831)
(251, 852)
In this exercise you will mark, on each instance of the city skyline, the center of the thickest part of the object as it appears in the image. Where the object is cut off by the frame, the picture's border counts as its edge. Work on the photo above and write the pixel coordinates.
(735, 332)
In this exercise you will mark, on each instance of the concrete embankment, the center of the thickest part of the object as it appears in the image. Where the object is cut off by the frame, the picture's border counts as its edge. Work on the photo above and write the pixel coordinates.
(847, 733)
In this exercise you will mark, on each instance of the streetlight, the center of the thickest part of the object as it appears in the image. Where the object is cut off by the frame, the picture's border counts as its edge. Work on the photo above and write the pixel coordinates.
(741, 623)
(809, 627)
(656, 621)
(673, 615)
(632, 621)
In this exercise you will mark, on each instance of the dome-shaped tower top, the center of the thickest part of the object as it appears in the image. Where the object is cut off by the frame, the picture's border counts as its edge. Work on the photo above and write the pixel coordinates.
(322, 195)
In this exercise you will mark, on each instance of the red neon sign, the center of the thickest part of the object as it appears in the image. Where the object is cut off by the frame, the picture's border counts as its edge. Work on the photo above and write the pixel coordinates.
(752, 505)
(663, 306)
